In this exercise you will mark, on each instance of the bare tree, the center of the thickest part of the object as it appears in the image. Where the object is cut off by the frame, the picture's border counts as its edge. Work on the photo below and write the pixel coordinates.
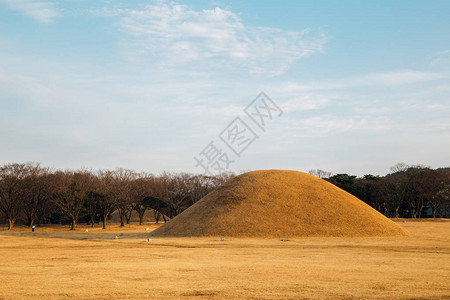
(399, 167)
(159, 205)
(157, 215)
(141, 188)
(46, 206)
(396, 187)
(437, 186)
(107, 198)
(418, 189)
(121, 192)
(39, 191)
(12, 192)
(320, 173)
(74, 188)
(174, 191)
(152, 187)
(92, 201)
(182, 190)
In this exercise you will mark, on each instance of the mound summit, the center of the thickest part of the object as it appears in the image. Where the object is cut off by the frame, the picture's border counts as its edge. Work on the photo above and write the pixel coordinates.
(279, 203)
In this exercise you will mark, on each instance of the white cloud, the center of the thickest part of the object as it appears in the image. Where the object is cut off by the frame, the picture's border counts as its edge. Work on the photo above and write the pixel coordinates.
(389, 79)
(305, 102)
(398, 78)
(41, 11)
(322, 125)
(440, 59)
(176, 34)
(435, 106)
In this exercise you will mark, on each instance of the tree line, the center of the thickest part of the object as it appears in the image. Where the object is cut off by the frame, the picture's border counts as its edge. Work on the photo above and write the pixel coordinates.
(44, 195)
(409, 191)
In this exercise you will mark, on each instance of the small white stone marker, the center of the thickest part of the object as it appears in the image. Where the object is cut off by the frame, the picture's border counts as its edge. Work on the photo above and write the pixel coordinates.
(147, 228)
(116, 237)
(86, 230)
(149, 240)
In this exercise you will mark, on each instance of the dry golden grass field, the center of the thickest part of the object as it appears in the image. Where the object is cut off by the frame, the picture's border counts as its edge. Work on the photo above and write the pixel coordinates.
(54, 263)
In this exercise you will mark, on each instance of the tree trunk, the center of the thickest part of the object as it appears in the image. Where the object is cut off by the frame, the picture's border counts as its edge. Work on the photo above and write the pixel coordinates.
(122, 221)
(72, 227)
(128, 215)
(396, 212)
(39, 219)
(11, 222)
(30, 219)
(141, 216)
(419, 213)
(157, 215)
(104, 221)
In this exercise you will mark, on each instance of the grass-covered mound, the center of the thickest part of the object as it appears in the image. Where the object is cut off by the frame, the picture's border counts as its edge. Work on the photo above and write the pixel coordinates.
(279, 203)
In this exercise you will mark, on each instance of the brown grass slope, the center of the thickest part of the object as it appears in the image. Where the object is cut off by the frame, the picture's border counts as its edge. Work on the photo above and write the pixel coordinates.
(279, 203)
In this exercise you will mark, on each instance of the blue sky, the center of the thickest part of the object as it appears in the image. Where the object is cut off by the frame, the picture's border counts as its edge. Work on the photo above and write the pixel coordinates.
(147, 85)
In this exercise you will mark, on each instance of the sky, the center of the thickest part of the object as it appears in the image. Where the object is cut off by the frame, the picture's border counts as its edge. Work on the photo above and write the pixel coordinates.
(353, 86)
